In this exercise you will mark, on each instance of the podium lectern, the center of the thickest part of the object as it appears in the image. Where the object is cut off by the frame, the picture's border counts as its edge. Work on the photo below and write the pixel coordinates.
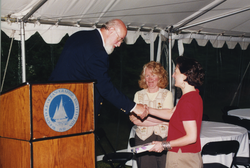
(48, 125)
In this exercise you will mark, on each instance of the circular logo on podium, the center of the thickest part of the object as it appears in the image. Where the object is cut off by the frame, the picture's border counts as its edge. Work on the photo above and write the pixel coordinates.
(61, 110)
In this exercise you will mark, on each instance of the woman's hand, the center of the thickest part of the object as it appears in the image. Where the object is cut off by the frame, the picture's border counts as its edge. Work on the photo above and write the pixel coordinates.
(157, 147)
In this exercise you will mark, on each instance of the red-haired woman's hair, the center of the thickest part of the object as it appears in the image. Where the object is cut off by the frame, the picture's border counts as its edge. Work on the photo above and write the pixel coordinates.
(157, 69)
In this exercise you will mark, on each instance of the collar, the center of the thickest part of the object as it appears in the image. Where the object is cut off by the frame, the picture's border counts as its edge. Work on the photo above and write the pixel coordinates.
(101, 37)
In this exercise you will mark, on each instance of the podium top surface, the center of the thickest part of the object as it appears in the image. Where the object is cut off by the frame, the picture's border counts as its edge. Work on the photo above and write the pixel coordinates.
(47, 82)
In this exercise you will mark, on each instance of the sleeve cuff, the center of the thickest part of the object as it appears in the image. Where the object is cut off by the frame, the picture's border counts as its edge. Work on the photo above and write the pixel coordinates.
(133, 108)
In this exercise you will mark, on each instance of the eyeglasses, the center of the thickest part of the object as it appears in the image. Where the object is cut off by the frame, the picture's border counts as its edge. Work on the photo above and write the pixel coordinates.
(120, 39)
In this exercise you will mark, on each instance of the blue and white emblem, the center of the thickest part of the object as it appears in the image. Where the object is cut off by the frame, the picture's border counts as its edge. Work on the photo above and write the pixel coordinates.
(61, 110)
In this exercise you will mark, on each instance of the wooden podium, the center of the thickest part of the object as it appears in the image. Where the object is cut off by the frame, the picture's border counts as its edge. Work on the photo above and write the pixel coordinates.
(48, 126)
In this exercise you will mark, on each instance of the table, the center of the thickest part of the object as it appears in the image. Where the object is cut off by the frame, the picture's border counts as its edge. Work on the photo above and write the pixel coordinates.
(215, 131)
(241, 113)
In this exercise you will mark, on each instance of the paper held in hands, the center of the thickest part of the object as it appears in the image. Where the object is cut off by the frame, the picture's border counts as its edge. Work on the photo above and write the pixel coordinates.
(142, 148)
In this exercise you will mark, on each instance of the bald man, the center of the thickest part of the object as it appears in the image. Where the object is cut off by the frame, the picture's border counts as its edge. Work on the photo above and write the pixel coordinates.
(85, 57)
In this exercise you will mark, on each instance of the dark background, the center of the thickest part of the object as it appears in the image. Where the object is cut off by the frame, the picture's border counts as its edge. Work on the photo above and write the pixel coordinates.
(224, 70)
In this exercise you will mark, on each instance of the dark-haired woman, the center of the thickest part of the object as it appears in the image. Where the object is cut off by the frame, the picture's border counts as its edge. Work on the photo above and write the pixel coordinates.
(183, 141)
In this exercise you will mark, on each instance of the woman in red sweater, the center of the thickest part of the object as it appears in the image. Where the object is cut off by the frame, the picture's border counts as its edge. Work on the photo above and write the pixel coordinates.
(183, 141)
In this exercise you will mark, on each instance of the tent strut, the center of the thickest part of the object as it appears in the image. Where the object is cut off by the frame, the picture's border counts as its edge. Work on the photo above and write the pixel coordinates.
(216, 18)
(197, 14)
(33, 10)
(239, 84)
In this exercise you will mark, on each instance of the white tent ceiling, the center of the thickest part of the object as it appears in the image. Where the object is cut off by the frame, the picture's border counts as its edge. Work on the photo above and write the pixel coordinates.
(187, 19)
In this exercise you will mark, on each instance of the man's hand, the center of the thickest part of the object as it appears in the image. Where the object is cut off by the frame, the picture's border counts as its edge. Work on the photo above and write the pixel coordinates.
(141, 110)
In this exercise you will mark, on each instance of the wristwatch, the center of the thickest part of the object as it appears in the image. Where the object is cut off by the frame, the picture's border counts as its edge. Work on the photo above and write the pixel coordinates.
(166, 145)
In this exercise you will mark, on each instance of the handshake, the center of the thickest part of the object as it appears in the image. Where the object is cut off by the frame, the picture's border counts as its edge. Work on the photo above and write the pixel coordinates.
(141, 110)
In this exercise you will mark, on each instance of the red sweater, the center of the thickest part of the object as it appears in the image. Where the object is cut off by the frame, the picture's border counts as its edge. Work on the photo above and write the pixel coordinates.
(189, 107)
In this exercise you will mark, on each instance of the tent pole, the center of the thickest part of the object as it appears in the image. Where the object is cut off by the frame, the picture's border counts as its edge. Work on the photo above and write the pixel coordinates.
(151, 46)
(170, 61)
(158, 57)
(23, 52)
(22, 34)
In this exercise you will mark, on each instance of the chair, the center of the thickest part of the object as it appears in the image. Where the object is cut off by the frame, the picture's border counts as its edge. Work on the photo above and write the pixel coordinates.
(246, 124)
(205, 117)
(242, 161)
(236, 121)
(226, 118)
(227, 108)
(217, 148)
(113, 157)
(230, 119)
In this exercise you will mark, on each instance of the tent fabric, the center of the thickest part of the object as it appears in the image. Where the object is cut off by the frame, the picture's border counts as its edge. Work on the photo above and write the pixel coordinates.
(56, 18)
(217, 41)
(53, 34)
(50, 33)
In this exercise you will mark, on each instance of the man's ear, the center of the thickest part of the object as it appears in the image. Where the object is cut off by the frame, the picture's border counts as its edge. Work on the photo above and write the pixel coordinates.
(111, 30)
